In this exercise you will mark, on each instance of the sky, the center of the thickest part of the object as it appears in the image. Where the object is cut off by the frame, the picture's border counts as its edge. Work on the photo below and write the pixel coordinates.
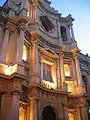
(80, 11)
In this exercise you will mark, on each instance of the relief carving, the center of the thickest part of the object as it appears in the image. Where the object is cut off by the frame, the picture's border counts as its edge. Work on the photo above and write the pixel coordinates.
(13, 4)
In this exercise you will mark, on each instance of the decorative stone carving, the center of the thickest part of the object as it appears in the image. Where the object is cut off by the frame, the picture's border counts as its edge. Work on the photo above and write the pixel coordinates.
(13, 4)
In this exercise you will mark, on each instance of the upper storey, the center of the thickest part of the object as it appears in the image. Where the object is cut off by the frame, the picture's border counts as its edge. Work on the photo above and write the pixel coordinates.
(51, 25)
(38, 15)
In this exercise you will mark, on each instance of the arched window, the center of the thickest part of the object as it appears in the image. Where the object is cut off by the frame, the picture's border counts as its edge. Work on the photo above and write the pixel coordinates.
(63, 33)
(25, 53)
(84, 82)
(48, 113)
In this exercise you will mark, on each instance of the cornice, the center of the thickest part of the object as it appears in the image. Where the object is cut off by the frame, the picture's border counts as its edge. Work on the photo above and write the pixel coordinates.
(49, 43)
(50, 54)
(38, 86)
(54, 12)
(17, 20)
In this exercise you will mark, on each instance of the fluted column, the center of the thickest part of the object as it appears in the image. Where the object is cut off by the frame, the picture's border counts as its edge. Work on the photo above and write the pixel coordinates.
(33, 109)
(20, 46)
(68, 33)
(78, 113)
(65, 112)
(77, 66)
(84, 113)
(34, 62)
(72, 32)
(4, 46)
(62, 69)
(78, 71)
(1, 36)
(10, 106)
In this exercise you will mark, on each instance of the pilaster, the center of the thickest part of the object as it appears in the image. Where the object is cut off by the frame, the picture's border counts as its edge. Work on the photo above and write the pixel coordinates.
(11, 88)
(78, 113)
(4, 45)
(72, 32)
(1, 35)
(68, 33)
(20, 44)
(78, 71)
(62, 69)
(65, 111)
(34, 73)
(33, 109)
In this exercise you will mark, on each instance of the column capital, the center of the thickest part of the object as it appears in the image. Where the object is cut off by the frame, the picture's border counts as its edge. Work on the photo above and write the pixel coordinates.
(11, 27)
(22, 26)
(76, 53)
(35, 1)
(35, 35)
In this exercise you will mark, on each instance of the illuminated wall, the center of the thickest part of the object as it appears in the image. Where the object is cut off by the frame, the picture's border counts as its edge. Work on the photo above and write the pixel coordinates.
(25, 53)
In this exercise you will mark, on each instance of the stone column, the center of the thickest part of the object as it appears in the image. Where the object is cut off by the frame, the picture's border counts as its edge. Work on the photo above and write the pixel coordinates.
(10, 106)
(33, 109)
(65, 112)
(68, 33)
(34, 73)
(78, 71)
(4, 46)
(20, 46)
(84, 113)
(72, 32)
(62, 72)
(78, 113)
(77, 66)
(1, 36)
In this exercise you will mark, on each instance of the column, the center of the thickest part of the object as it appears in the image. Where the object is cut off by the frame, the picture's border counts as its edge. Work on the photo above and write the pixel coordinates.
(78, 113)
(34, 10)
(84, 113)
(62, 69)
(65, 112)
(78, 71)
(34, 62)
(1, 36)
(10, 106)
(20, 46)
(68, 33)
(4, 46)
(72, 32)
(33, 109)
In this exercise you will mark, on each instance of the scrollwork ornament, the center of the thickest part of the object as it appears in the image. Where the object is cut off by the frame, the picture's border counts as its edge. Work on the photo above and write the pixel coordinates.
(13, 4)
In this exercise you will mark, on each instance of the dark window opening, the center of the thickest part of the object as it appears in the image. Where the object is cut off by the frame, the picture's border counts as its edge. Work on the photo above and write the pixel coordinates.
(48, 25)
(63, 33)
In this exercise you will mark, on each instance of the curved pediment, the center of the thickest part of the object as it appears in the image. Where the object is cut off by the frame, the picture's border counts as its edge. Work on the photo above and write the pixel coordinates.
(47, 6)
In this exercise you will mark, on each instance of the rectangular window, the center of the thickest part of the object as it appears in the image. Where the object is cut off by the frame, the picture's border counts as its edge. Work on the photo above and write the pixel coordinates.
(67, 70)
(47, 72)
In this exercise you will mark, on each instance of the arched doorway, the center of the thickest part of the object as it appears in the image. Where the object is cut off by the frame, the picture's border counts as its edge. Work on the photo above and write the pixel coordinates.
(48, 113)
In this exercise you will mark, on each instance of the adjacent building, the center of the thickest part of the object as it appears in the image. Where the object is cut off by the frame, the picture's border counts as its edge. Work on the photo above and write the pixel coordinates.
(43, 74)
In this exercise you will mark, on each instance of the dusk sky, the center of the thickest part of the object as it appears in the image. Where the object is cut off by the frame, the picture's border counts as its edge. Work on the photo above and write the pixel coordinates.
(80, 10)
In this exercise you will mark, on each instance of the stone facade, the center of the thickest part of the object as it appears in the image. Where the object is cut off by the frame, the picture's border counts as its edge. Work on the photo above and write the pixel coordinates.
(43, 74)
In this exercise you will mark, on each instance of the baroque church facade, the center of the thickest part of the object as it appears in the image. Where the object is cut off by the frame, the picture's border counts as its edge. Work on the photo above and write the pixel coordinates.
(43, 74)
